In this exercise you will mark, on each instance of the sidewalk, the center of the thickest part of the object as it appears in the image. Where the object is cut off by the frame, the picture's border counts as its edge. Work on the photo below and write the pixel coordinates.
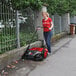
(60, 63)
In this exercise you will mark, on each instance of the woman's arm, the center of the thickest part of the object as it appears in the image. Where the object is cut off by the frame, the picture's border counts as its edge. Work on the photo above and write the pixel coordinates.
(51, 26)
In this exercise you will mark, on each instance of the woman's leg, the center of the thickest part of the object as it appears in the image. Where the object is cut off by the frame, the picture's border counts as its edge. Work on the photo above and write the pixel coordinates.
(48, 42)
(47, 36)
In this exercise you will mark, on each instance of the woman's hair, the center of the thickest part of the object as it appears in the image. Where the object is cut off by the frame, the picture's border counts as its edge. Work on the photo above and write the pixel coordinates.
(46, 13)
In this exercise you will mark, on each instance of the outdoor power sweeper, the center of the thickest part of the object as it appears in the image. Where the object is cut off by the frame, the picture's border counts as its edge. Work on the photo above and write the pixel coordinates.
(35, 53)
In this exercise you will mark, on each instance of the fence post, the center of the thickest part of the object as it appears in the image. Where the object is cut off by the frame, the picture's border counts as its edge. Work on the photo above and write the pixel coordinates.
(17, 30)
(65, 22)
(53, 24)
(60, 25)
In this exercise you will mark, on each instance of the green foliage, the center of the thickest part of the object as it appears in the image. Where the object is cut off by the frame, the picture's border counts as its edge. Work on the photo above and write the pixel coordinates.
(21, 4)
(54, 6)
(25, 38)
(72, 7)
(8, 41)
(61, 6)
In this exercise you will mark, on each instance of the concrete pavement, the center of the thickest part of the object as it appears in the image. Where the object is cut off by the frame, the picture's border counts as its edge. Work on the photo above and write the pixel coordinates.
(62, 62)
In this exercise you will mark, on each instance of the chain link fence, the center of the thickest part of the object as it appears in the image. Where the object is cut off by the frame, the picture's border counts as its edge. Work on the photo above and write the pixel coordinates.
(27, 27)
(16, 29)
(61, 23)
(7, 28)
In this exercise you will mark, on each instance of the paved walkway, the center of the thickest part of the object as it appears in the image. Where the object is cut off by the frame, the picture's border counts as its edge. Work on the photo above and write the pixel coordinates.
(62, 62)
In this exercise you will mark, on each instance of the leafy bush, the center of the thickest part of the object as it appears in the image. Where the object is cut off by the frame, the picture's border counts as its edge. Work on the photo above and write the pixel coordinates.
(22, 4)
(54, 6)
(25, 38)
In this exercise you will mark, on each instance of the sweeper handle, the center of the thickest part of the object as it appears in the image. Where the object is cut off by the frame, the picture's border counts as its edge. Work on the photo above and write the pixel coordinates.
(37, 28)
(40, 27)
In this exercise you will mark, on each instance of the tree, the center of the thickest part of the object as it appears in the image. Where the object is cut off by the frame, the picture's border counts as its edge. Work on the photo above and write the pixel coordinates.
(54, 6)
(61, 6)
(72, 7)
(22, 4)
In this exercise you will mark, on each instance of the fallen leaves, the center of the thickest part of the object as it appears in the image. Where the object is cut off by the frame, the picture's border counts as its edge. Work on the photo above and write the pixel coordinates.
(4, 73)
(16, 61)
(8, 66)
(11, 66)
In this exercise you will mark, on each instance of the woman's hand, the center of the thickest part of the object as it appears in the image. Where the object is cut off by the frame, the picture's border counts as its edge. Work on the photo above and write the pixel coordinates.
(38, 28)
(50, 28)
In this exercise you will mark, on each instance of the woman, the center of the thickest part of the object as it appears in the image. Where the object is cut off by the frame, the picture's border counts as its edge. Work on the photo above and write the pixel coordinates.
(47, 27)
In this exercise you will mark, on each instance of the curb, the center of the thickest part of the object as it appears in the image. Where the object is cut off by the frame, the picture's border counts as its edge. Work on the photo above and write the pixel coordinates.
(15, 54)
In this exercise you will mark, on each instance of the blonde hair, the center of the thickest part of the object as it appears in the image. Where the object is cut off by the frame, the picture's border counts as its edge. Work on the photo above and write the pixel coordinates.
(46, 13)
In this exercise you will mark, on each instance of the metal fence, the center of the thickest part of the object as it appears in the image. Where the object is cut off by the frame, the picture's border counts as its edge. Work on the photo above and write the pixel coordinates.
(27, 27)
(61, 23)
(16, 27)
(7, 27)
